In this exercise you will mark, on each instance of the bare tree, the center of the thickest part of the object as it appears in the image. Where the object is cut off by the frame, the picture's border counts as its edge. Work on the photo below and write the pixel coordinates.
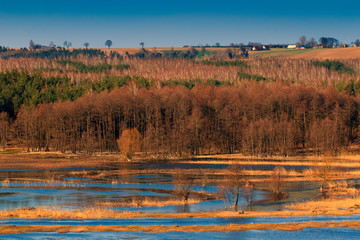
(67, 44)
(326, 174)
(142, 44)
(302, 41)
(86, 45)
(233, 186)
(277, 181)
(182, 185)
(108, 43)
(323, 136)
(312, 42)
(4, 129)
(52, 44)
(247, 192)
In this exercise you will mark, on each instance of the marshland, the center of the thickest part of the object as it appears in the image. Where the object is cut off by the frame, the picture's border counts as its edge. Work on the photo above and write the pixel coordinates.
(120, 143)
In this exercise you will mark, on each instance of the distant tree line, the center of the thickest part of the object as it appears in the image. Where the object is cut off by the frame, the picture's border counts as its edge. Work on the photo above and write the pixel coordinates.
(325, 42)
(328, 42)
(4, 49)
(191, 53)
(38, 51)
(56, 53)
(304, 43)
(83, 68)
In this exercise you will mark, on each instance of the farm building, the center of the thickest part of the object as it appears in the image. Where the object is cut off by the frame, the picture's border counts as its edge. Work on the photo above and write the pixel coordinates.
(259, 48)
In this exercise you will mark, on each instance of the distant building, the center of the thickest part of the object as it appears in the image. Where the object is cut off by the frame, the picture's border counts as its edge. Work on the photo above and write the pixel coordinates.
(38, 47)
(42, 47)
(260, 48)
(291, 46)
(305, 47)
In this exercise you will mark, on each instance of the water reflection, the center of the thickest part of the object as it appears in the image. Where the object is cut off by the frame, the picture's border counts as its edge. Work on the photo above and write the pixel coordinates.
(73, 192)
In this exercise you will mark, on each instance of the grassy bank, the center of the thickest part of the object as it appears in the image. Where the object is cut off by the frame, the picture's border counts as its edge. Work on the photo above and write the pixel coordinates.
(100, 213)
(13, 229)
(20, 159)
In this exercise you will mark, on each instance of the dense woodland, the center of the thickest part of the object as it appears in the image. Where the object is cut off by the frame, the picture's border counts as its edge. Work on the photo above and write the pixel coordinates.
(267, 106)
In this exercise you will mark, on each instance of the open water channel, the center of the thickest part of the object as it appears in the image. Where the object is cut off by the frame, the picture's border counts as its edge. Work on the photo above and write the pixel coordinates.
(76, 192)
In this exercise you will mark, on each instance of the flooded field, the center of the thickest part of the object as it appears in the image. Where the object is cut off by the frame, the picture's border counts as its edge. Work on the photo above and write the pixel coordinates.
(72, 192)
(78, 188)
(314, 233)
(178, 221)
(126, 188)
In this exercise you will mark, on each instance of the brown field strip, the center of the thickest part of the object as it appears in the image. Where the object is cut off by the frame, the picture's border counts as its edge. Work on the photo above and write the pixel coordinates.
(99, 213)
(13, 229)
(55, 160)
(331, 53)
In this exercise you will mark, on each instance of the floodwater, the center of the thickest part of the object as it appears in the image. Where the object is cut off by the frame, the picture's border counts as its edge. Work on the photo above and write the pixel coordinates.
(70, 191)
(310, 233)
(77, 192)
(83, 194)
(32, 188)
(177, 221)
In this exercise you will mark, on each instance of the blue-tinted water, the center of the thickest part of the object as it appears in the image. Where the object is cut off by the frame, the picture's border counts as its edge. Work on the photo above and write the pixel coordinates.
(176, 221)
(167, 165)
(213, 166)
(310, 233)
(76, 179)
(80, 194)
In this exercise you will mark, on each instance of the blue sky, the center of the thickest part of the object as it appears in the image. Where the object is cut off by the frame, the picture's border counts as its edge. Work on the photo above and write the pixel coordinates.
(175, 23)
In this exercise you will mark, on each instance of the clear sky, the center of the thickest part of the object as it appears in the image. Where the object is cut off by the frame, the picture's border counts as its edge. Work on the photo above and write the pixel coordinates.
(175, 23)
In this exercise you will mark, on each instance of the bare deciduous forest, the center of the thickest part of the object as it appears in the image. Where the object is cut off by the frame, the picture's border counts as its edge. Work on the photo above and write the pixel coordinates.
(256, 106)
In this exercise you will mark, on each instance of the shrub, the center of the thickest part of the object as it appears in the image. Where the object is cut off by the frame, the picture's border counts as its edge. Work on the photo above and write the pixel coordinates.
(333, 66)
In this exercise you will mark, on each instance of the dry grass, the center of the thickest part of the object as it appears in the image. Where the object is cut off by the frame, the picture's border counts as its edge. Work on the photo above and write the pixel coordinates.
(349, 204)
(301, 159)
(6, 182)
(299, 70)
(55, 160)
(58, 213)
(331, 53)
(99, 213)
(13, 229)
(148, 202)
(135, 50)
